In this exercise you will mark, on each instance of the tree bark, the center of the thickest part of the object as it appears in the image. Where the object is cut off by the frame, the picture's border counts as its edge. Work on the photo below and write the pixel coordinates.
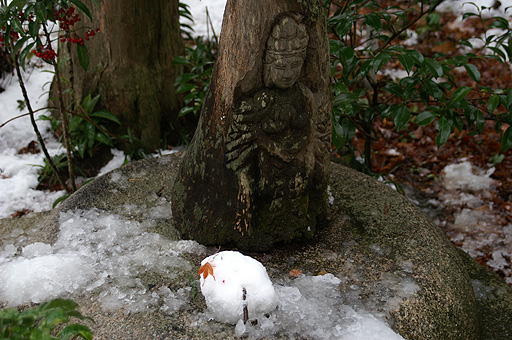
(131, 64)
(257, 170)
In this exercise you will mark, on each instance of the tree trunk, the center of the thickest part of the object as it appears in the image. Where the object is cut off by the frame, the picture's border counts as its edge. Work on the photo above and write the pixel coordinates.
(257, 170)
(131, 64)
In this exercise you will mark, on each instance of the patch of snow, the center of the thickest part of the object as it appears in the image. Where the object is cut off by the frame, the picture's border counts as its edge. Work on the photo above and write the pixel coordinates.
(394, 73)
(309, 307)
(465, 176)
(330, 196)
(412, 38)
(98, 253)
(118, 160)
(463, 6)
(19, 172)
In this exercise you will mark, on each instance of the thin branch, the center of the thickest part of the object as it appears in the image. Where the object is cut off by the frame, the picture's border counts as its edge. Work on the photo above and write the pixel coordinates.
(14, 118)
(33, 121)
(404, 28)
(63, 115)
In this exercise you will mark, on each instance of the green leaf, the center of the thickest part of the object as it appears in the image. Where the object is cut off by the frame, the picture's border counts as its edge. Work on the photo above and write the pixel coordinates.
(25, 51)
(433, 89)
(344, 97)
(90, 133)
(435, 68)
(365, 68)
(346, 53)
(74, 122)
(499, 22)
(342, 133)
(493, 103)
(185, 87)
(33, 28)
(479, 122)
(417, 56)
(90, 103)
(373, 20)
(82, 7)
(395, 48)
(343, 27)
(401, 117)
(459, 95)
(73, 330)
(406, 61)
(394, 88)
(103, 139)
(106, 115)
(20, 43)
(444, 127)
(180, 60)
(185, 111)
(40, 11)
(83, 58)
(54, 318)
(473, 72)
(380, 60)
(60, 199)
(508, 101)
(425, 118)
(506, 140)
(499, 52)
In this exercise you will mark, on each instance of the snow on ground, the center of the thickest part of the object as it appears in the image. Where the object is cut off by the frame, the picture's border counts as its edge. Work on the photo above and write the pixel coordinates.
(476, 228)
(19, 171)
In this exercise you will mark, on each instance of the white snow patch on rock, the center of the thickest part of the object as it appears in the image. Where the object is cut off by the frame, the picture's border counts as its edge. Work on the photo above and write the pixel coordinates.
(99, 253)
(311, 307)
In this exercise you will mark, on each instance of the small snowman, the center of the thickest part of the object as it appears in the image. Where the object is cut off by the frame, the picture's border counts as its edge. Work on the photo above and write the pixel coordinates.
(236, 287)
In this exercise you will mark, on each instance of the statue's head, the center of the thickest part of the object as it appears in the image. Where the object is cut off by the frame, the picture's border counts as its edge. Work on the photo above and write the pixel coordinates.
(285, 53)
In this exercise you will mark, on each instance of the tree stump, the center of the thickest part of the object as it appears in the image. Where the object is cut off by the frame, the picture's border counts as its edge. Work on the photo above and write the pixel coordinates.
(257, 170)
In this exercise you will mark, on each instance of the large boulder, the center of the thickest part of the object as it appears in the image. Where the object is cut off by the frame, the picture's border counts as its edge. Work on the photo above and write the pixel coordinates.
(390, 258)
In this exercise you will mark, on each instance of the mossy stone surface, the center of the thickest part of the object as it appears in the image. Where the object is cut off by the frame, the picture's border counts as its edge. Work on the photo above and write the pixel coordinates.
(376, 242)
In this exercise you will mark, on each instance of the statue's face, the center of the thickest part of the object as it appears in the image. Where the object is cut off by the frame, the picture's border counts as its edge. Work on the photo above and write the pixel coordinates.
(285, 71)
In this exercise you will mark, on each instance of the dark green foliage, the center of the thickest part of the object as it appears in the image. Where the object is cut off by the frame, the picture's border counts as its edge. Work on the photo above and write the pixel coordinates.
(88, 128)
(198, 63)
(40, 323)
(363, 44)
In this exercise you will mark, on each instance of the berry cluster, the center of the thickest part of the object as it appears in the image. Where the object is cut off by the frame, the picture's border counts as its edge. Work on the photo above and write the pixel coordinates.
(73, 40)
(21, 16)
(91, 33)
(14, 36)
(45, 53)
(67, 17)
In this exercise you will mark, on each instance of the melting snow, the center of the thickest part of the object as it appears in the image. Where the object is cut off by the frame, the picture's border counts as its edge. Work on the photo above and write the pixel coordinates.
(95, 253)
(465, 176)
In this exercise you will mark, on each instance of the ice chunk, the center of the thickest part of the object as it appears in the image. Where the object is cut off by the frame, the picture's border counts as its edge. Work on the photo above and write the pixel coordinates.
(237, 281)
(465, 176)
(36, 249)
(98, 253)
(312, 307)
